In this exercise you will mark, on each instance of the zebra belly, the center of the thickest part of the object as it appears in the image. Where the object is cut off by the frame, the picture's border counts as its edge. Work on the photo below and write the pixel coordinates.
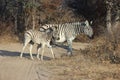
(37, 41)
(62, 38)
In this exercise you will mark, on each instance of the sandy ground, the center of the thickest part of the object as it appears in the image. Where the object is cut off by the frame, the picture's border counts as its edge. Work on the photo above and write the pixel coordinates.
(62, 68)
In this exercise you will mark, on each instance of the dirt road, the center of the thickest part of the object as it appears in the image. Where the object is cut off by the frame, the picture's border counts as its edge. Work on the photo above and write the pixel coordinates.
(65, 68)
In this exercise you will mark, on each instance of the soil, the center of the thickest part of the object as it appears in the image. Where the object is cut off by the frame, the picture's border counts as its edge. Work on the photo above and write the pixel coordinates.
(76, 67)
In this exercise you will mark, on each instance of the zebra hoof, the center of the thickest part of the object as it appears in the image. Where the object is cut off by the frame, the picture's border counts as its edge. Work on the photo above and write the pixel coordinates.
(69, 54)
(32, 58)
(41, 58)
(21, 57)
(38, 57)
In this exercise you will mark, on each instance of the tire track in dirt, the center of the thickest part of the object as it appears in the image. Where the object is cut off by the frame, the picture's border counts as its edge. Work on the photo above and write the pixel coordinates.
(14, 68)
(44, 73)
(9, 67)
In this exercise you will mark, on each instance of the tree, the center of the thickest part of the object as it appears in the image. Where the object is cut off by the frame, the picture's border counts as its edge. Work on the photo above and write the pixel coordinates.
(30, 9)
(108, 17)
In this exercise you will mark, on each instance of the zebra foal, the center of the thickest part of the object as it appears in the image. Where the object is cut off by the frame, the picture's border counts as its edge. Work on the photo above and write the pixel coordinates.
(69, 31)
(41, 38)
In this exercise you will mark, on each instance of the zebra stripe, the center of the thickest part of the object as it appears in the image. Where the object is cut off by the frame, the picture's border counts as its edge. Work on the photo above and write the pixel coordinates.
(69, 31)
(36, 37)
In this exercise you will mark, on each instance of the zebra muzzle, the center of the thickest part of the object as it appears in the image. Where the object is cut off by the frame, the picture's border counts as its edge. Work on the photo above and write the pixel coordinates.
(91, 37)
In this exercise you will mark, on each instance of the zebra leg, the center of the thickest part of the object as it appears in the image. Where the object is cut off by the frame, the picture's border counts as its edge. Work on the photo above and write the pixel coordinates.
(52, 53)
(31, 46)
(22, 51)
(38, 50)
(43, 46)
(69, 47)
(49, 46)
(25, 44)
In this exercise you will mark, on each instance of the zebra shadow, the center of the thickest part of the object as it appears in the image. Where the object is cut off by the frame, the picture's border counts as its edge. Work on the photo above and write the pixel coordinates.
(60, 45)
(5, 53)
(9, 53)
(64, 46)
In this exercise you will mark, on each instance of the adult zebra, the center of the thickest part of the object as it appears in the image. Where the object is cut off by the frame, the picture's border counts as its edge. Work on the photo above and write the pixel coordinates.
(69, 31)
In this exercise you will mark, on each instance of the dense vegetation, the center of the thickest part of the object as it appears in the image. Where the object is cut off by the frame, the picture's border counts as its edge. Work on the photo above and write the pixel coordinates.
(25, 14)
(16, 16)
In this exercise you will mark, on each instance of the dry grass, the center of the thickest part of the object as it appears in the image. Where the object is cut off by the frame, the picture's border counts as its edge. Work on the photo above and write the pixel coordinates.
(94, 63)
(7, 32)
(80, 67)
(8, 38)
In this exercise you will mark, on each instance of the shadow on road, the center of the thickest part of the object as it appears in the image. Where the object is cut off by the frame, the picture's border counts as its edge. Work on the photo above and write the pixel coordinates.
(17, 54)
(8, 53)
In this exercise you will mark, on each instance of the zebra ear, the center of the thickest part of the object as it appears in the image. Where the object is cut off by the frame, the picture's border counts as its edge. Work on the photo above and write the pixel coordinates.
(91, 22)
(87, 23)
(42, 29)
(45, 26)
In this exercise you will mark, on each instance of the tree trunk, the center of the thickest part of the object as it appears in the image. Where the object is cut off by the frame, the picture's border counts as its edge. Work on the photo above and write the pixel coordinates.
(33, 14)
(108, 19)
(33, 20)
(15, 23)
(117, 19)
(27, 20)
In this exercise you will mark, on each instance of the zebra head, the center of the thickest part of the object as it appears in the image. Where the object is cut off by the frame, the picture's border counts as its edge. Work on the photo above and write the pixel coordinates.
(55, 32)
(49, 33)
(46, 30)
(88, 30)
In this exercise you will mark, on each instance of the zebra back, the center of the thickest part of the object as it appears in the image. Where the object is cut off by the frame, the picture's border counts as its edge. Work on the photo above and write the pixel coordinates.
(71, 29)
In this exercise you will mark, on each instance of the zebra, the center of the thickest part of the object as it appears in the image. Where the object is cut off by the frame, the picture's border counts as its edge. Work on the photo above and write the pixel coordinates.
(42, 38)
(69, 31)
